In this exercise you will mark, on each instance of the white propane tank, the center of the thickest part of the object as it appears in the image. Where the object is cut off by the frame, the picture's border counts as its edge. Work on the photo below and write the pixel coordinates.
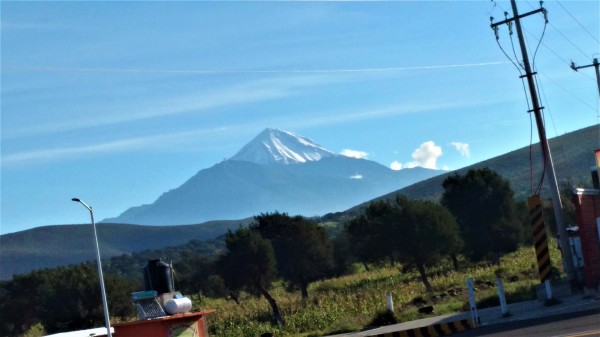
(178, 305)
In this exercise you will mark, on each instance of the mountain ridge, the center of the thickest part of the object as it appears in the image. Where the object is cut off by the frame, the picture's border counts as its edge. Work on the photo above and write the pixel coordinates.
(276, 170)
(281, 147)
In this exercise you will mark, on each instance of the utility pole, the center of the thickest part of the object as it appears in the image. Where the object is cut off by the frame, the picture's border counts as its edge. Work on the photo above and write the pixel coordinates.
(595, 64)
(549, 167)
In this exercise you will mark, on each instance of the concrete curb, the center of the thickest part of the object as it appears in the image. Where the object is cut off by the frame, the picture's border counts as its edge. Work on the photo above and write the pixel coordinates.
(458, 322)
(434, 330)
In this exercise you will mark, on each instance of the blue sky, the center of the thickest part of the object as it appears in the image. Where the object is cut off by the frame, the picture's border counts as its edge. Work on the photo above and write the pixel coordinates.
(118, 102)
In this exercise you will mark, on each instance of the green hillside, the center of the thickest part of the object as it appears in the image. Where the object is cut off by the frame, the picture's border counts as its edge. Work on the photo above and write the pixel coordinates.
(52, 246)
(572, 153)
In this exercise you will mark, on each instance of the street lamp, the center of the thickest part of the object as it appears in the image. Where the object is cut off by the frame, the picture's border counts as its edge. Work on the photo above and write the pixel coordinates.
(104, 304)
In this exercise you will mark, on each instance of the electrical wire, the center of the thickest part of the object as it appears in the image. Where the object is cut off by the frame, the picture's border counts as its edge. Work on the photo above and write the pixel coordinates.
(518, 70)
(579, 23)
(540, 39)
(565, 37)
(512, 43)
(508, 57)
(568, 63)
(569, 92)
(539, 187)
(571, 42)
(541, 90)
(531, 153)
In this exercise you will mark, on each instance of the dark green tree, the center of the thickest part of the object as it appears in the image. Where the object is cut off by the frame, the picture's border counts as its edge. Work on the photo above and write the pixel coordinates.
(417, 232)
(249, 265)
(303, 250)
(370, 237)
(62, 299)
(198, 274)
(19, 303)
(426, 232)
(482, 203)
(343, 257)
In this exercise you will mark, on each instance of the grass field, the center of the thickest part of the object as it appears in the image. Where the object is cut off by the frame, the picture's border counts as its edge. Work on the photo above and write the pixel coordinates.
(352, 302)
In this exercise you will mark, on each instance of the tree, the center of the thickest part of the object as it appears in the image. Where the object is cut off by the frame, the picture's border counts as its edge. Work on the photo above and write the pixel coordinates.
(249, 265)
(427, 231)
(343, 258)
(370, 238)
(303, 251)
(61, 299)
(197, 273)
(417, 232)
(482, 203)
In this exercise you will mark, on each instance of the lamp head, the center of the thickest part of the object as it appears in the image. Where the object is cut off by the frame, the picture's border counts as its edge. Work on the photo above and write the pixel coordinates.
(76, 200)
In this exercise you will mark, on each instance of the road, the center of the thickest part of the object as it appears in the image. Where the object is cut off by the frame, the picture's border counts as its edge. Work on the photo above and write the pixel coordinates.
(578, 324)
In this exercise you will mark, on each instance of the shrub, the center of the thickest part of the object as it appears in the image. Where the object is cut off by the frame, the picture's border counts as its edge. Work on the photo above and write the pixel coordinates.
(382, 318)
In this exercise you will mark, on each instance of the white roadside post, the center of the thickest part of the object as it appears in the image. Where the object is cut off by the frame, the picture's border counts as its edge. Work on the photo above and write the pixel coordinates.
(548, 289)
(472, 305)
(390, 302)
(501, 295)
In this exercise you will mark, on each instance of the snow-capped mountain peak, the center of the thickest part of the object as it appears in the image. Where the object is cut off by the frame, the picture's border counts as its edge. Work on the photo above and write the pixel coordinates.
(283, 147)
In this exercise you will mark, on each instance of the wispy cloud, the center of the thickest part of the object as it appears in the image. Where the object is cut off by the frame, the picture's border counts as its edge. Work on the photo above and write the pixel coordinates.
(238, 72)
(354, 153)
(250, 92)
(290, 83)
(324, 118)
(462, 148)
(121, 145)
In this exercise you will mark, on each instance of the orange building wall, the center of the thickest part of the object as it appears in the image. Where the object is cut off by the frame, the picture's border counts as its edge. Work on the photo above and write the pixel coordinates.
(182, 325)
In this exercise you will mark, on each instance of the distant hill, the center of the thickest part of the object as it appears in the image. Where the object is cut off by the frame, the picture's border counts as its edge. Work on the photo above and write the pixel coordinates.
(52, 246)
(572, 153)
(276, 171)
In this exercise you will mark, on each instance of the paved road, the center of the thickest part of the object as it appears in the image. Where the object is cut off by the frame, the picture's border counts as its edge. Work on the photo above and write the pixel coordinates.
(578, 324)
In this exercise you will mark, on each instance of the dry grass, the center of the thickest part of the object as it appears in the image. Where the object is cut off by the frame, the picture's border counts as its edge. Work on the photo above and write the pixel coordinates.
(349, 303)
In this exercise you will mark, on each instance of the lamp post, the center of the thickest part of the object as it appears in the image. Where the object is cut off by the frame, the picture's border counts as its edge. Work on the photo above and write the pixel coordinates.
(102, 290)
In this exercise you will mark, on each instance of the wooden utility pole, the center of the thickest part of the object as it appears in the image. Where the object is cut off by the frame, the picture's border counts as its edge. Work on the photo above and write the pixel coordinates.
(549, 165)
(595, 64)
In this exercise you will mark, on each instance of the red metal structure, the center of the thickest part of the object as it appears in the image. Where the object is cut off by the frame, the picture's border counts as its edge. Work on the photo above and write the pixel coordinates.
(587, 208)
(183, 325)
(587, 212)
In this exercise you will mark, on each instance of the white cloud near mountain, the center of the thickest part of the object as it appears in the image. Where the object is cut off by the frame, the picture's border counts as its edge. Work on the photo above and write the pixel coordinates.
(462, 148)
(354, 154)
(426, 155)
(396, 165)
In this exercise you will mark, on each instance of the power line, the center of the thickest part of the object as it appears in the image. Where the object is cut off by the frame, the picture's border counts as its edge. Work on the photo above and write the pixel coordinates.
(569, 92)
(579, 23)
(568, 63)
(546, 105)
(563, 35)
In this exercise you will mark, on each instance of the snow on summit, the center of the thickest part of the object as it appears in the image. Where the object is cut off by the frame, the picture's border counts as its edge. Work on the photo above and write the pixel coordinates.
(283, 147)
